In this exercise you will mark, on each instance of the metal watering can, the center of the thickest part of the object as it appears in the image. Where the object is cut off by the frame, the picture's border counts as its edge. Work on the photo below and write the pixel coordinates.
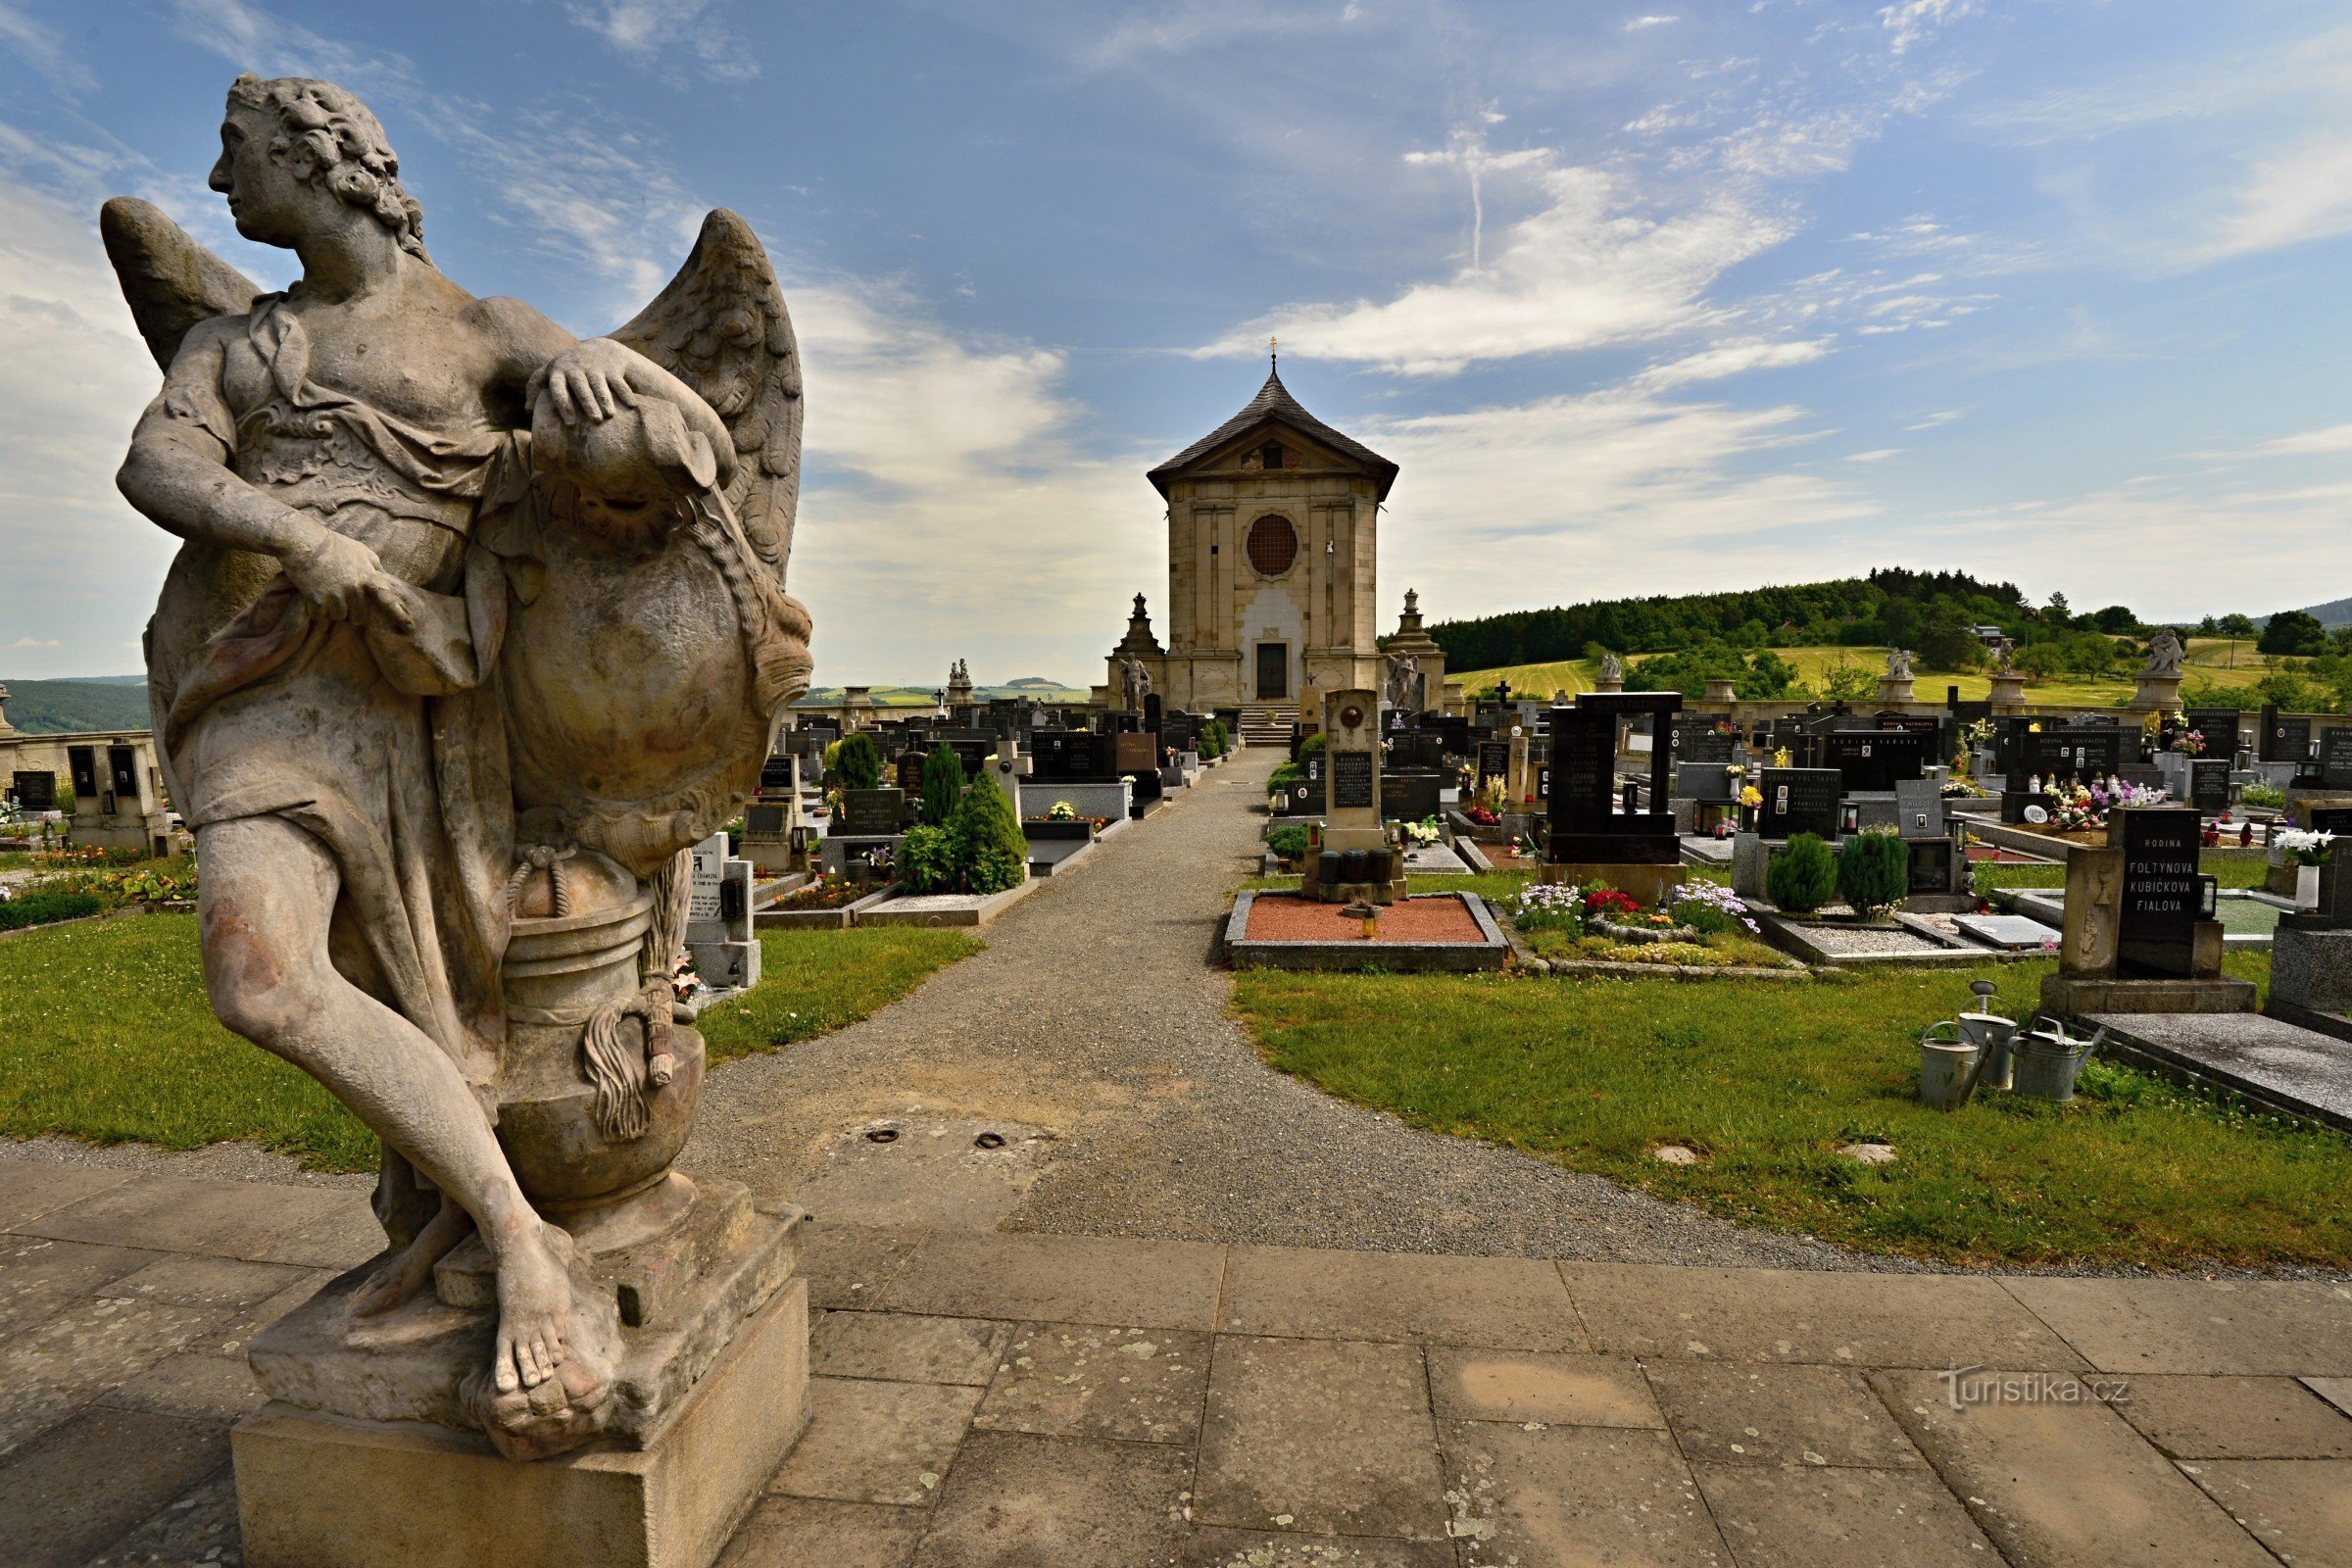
(2049, 1061)
(1958, 1055)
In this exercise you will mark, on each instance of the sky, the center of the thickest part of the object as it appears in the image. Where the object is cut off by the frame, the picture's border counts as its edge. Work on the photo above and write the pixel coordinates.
(1648, 298)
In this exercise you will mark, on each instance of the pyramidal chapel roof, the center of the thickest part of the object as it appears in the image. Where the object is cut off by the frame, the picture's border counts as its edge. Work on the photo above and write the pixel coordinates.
(1274, 404)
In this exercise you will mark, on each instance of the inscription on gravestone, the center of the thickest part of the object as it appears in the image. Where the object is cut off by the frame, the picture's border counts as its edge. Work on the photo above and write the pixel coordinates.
(1494, 759)
(2336, 759)
(2156, 922)
(710, 869)
(2209, 785)
(36, 792)
(1799, 800)
(1876, 760)
(2218, 726)
(1351, 781)
(873, 814)
(2287, 740)
(1582, 770)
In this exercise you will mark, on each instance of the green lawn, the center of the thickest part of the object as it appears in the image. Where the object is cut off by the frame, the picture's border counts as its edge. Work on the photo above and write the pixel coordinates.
(1767, 1079)
(105, 1034)
(2229, 869)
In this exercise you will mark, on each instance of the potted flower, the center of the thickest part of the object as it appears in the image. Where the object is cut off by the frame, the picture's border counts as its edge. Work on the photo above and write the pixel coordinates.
(1751, 801)
(2307, 850)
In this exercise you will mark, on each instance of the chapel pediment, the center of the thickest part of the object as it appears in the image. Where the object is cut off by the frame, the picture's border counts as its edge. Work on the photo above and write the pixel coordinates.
(1270, 423)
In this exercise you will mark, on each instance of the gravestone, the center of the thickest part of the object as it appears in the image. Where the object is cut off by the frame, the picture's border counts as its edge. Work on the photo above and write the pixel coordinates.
(2336, 759)
(1493, 760)
(1355, 850)
(1351, 781)
(1584, 828)
(2284, 740)
(1135, 754)
(1876, 760)
(719, 918)
(1702, 781)
(1072, 756)
(2057, 755)
(2209, 785)
(1931, 864)
(1919, 810)
(2143, 776)
(36, 791)
(2218, 726)
(910, 772)
(1410, 796)
(871, 813)
(1699, 742)
(1799, 800)
(2157, 914)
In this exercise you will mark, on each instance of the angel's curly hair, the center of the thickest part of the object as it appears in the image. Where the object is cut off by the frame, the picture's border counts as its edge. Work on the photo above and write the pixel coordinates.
(327, 137)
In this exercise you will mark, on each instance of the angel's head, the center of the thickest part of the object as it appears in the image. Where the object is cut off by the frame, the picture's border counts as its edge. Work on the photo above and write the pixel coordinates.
(283, 142)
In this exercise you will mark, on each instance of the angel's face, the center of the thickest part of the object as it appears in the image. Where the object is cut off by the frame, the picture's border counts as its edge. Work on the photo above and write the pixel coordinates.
(265, 197)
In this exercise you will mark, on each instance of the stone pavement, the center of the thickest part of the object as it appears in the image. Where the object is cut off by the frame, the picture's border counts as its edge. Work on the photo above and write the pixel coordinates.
(1056, 1401)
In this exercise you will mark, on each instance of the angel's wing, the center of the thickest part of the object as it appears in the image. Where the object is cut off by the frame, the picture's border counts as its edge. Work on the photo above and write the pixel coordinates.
(171, 281)
(720, 326)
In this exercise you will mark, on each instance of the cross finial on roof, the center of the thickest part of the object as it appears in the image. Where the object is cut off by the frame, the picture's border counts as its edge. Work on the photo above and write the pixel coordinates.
(1273, 353)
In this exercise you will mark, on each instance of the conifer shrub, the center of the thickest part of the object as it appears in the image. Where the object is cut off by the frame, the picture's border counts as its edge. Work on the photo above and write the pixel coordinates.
(943, 785)
(991, 851)
(858, 763)
(1874, 870)
(1802, 877)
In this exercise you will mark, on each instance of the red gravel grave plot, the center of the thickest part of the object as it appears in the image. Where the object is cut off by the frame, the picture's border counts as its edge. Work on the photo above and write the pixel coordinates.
(1286, 917)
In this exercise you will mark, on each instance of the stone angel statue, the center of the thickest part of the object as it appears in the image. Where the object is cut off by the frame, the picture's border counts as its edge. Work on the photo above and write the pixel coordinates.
(2004, 657)
(1135, 684)
(2165, 653)
(473, 630)
(1612, 667)
(1402, 687)
(1899, 664)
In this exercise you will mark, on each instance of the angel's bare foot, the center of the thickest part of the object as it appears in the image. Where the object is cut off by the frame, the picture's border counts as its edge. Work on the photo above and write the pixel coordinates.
(409, 1273)
(534, 1309)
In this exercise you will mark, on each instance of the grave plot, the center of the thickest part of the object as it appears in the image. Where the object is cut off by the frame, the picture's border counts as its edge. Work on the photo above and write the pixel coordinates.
(1433, 931)
(1566, 928)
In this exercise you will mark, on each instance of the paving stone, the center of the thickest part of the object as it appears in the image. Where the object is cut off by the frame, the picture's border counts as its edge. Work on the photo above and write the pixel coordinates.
(232, 1333)
(72, 1494)
(1322, 1436)
(851, 1265)
(185, 1280)
(203, 1388)
(1070, 1279)
(1574, 1495)
(2256, 1328)
(341, 1238)
(1073, 1380)
(1021, 1502)
(1512, 1302)
(2236, 1418)
(806, 1533)
(73, 1357)
(40, 1277)
(30, 1189)
(1583, 1391)
(2299, 1509)
(1734, 1413)
(2335, 1391)
(875, 1442)
(229, 1219)
(2066, 1483)
(1802, 1516)
(1762, 1314)
(1267, 1548)
(906, 1347)
(196, 1531)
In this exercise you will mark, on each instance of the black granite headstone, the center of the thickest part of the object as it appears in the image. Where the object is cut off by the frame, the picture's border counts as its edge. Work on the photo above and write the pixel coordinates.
(1494, 759)
(1876, 760)
(871, 813)
(2156, 921)
(2284, 740)
(1408, 796)
(2058, 755)
(2218, 726)
(1072, 756)
(2209, 785)
(2336, 759)
(1931, 866)
(36, 792)
(1799, 800)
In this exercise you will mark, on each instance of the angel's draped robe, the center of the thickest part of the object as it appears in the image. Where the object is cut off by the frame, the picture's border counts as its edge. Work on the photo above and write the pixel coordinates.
(386, 748)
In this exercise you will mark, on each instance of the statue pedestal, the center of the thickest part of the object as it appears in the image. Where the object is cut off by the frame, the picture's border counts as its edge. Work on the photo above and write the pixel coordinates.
(366, 1458)
(2157, 694)
(1894, 690)
(2008, 691)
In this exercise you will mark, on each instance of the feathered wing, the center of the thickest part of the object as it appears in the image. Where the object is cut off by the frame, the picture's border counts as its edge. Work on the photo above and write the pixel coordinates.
(720, 326)
(171, 281)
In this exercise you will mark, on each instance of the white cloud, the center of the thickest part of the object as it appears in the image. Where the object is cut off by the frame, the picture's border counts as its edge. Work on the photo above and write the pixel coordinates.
(1880, 454)
(42, 47)
(2324, 441)
(1638, 24)
(1943, 417)
(1731, 357)
(653, 31)
(35, 642)
(2304, 193)
(1582, 270)
(1912, 22)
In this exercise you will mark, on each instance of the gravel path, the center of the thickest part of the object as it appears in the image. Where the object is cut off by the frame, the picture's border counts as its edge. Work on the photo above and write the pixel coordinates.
(1096, 1018)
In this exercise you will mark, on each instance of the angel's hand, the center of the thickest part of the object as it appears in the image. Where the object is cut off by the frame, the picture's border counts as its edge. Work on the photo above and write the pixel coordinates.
(346, 580)
(590, 381)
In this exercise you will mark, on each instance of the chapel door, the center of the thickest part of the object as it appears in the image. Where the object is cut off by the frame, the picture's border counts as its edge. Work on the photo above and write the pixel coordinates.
(1273, 671)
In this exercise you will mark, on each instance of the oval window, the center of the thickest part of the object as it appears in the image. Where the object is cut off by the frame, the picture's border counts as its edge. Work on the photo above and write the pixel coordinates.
(1273, 546)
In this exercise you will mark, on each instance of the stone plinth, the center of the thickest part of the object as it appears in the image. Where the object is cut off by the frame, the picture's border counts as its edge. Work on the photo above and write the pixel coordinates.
(2074, 997)
(2311, 970)
(2157, 694)
(1894, 689)
(318, 1492)
(2008, 691)
(1647, 883)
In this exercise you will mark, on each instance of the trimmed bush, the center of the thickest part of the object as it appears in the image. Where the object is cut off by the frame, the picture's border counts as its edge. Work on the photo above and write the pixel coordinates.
(943, 785)
(1288, 841)
(927, 859)
(1212, 741)
(1313, 742)
(1802, 877)
(1874, 870)
(858, 763)
(991, 851)
(47, 906)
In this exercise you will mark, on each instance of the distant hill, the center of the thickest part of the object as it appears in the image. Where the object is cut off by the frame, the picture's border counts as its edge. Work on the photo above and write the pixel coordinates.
(2334, 614)
(64, 707)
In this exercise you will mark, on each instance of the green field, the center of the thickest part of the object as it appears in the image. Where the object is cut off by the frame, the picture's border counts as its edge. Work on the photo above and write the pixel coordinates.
(105, 1034)
(2209, 658)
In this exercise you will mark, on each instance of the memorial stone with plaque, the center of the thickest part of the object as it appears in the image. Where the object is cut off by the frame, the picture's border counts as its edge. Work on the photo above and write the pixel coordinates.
(2157, 915)
(1354, 846)
(2209, 785)
(1799, 800)
(2336, 759)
